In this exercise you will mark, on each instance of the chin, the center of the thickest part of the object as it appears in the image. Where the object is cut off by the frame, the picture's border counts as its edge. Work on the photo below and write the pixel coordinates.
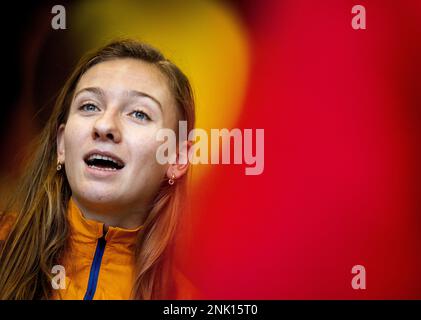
(99, 196)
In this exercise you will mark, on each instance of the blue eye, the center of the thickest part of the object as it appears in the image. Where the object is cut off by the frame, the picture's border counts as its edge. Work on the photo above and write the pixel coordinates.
(88, 107)
(141, 115)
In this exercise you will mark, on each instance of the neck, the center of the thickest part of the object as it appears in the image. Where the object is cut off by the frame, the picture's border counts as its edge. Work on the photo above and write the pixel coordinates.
(126, 219)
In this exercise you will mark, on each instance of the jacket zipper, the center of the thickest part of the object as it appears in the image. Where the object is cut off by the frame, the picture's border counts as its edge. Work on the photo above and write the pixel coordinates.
(96, 264)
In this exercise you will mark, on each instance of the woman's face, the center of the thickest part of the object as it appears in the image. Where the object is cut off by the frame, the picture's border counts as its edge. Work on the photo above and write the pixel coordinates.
(108, 144)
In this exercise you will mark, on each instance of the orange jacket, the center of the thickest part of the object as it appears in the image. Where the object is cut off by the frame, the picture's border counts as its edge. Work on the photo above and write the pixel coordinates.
(98, 267)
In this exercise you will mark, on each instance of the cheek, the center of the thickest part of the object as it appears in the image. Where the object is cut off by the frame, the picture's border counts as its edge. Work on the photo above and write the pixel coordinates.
(74, 136)
(144, 154)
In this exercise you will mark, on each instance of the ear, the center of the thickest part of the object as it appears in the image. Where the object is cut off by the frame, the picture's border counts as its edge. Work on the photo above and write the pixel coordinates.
(179, 168)
(60, 143)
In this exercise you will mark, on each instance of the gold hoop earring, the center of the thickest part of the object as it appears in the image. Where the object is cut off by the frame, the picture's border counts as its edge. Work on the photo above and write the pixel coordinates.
(172, 179)
(59, 166)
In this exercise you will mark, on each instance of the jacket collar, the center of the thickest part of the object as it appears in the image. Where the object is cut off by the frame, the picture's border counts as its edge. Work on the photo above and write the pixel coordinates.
(85, 230)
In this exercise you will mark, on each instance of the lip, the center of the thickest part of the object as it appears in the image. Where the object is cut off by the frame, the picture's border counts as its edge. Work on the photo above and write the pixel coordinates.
(105, 154)
(100, 173)
(97, 172)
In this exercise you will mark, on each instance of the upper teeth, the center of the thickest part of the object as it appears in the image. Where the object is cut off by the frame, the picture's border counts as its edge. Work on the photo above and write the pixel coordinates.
(98, 156)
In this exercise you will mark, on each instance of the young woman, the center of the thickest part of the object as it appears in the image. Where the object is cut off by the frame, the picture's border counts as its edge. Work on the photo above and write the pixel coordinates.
(94, 202)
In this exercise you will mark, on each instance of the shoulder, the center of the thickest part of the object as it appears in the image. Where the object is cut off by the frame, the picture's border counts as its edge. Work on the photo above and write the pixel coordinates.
(186, 290)
(6, 223)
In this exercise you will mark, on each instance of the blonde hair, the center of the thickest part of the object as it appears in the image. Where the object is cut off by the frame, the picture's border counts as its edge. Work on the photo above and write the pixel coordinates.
(38, 238)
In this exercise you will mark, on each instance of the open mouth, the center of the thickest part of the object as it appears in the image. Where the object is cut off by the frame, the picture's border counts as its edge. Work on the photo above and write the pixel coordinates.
(102, 162)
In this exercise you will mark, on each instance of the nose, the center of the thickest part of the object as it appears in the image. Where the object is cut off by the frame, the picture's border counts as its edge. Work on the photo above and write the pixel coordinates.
(106, 128)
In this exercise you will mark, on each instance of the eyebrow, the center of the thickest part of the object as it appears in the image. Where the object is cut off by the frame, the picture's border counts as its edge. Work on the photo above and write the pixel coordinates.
(131, 93)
